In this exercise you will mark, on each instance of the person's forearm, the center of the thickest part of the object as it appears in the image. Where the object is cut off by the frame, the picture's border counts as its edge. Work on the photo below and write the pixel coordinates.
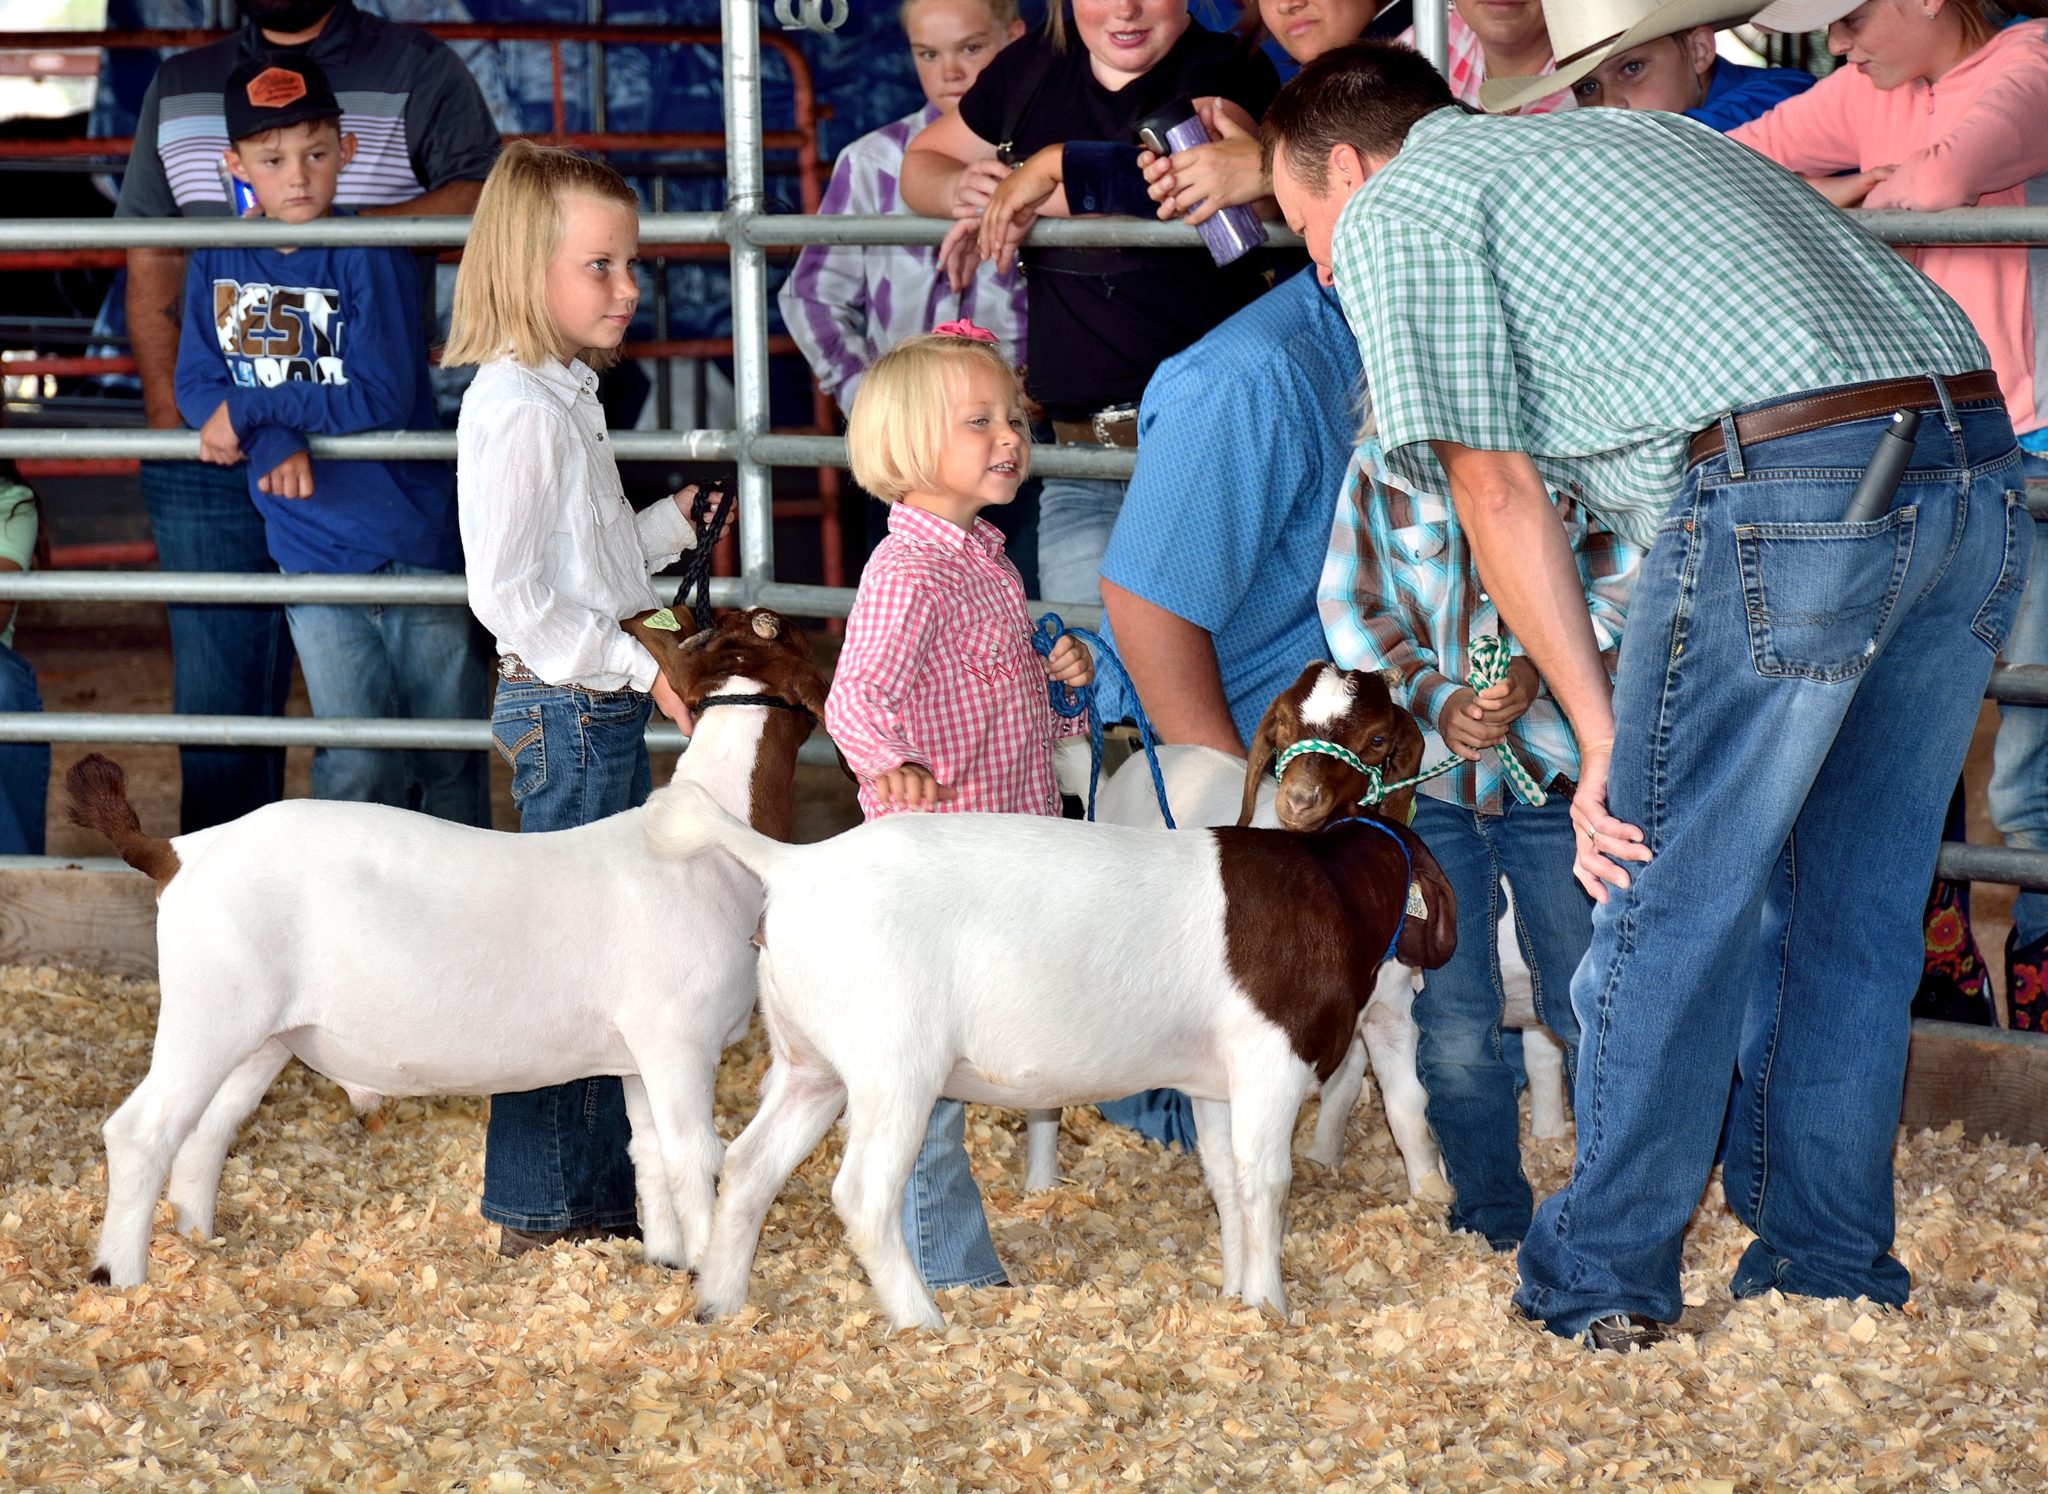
(1525, 562)
(451, 200)
(1172, 664)
(156, 307)
(928, 180)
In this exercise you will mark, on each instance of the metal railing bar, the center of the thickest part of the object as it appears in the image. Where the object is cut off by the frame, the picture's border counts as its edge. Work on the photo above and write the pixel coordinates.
(235, 588)
(147, 730)
(1983, 226)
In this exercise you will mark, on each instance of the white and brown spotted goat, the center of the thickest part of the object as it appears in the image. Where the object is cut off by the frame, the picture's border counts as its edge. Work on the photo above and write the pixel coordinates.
(1354, 710)
(1027, 962)
(402, 955)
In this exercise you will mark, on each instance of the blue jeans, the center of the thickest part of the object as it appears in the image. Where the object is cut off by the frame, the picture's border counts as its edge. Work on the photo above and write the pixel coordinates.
(412, 663)
(225, 661)
(1795, 699)
(2018, 793)
(942, 1218)
(1470, 1073)
(1075, 517)
(555, 1158)
(24, 766)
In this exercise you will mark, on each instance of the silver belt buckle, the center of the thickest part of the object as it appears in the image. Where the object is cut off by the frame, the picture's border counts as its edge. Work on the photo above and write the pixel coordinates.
(1102, 420)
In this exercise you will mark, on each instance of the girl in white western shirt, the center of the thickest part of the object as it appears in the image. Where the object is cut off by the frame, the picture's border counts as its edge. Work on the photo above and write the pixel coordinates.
(556, 557)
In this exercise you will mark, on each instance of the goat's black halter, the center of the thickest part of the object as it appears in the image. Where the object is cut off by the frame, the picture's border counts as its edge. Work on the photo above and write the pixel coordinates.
(776, 701)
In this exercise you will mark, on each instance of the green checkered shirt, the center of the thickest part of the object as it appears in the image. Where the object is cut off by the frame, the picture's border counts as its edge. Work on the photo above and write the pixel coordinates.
(1591, 287)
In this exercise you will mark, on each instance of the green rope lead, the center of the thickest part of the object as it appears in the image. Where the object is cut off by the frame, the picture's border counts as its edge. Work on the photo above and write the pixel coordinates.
(1490, 660)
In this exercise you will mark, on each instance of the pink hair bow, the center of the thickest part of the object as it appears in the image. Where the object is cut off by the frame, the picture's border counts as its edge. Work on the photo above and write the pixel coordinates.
(967, 329)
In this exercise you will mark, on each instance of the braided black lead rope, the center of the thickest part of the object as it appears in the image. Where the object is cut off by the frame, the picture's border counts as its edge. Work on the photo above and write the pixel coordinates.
(697, 564)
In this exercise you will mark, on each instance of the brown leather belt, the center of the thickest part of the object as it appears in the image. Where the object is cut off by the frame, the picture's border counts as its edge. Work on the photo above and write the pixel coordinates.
(1812, 412)
(1115, 427)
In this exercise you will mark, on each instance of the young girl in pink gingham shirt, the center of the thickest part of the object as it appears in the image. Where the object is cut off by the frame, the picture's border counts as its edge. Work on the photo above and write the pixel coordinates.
(938, 701)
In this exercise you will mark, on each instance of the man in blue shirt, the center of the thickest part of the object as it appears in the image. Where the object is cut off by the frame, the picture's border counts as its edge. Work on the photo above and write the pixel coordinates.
(1209, 582)
(1652, 55)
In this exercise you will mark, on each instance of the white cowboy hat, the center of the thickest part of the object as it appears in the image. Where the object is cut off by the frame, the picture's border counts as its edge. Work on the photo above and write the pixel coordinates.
(1797, 17)
(1585, 33)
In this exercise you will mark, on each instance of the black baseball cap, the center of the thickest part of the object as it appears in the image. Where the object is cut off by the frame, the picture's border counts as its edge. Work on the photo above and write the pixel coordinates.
(275, 89)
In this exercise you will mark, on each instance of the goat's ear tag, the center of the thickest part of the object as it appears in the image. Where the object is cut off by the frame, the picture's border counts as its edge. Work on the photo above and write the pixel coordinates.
(1417, 908)
(767, 625)
(663, 621)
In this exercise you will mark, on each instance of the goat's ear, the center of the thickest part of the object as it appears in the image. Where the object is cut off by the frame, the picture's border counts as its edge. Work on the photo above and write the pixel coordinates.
(1429, 939)
(1404, 760)
(663, 641)
(1260, 761)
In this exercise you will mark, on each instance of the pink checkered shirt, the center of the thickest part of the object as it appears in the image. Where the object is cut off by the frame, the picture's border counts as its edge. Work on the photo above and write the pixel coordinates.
(1465, 67)
(937, 669)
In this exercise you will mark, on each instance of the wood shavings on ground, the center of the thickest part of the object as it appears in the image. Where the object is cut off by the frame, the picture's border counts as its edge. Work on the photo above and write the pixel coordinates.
(352, 1328)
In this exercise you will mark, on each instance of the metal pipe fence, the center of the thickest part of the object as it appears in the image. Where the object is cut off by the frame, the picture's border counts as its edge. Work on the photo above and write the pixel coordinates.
(746, 230)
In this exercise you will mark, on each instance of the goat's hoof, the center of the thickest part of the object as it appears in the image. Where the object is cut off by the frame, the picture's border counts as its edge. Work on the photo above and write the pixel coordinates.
(101, 1276)
(1331, 1160)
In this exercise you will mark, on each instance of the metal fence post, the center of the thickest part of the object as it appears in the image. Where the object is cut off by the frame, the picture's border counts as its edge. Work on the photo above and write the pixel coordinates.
(1432, 31)
(746, 181)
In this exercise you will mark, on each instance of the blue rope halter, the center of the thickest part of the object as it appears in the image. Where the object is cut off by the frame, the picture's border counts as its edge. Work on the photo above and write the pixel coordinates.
(1408, 896)
(1070, 702)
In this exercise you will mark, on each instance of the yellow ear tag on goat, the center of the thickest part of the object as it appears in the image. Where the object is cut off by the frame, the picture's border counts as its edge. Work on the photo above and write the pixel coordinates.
(663, 621)
(1417, 908)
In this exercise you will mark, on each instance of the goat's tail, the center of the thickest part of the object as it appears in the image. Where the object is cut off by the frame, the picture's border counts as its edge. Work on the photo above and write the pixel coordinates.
(99, 801)
(683, 820)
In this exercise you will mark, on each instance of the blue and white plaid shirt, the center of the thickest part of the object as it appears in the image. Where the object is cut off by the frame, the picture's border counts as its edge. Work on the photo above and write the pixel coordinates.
(1399, 594)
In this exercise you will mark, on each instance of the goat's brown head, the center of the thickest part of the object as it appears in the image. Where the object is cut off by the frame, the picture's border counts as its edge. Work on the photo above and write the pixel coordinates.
(1353, 709)
(754, 645)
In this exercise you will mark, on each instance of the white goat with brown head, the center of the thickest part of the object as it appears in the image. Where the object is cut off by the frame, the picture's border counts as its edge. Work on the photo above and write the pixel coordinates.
(399, 954)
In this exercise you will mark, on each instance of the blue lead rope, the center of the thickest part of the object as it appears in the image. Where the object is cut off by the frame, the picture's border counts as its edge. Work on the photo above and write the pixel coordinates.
(1069, 702)
(1407, 862)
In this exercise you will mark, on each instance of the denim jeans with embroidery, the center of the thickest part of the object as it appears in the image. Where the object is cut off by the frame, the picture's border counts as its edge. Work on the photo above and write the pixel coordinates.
(1796, 696)
(555, 1158)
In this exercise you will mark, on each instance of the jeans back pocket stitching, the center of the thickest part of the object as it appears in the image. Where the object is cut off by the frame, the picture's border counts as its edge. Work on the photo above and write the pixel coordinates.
(2016, 512)
(1904, 527)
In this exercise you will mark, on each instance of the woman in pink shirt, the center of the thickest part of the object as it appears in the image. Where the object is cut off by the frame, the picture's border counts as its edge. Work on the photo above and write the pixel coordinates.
(1937, 107)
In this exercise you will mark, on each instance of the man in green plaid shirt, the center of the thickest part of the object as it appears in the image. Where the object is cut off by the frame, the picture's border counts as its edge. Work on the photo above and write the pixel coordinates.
(1630, 309)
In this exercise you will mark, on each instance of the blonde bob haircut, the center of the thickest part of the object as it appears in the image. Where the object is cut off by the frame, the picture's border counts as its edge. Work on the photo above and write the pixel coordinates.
(900, 417)
(501, 292)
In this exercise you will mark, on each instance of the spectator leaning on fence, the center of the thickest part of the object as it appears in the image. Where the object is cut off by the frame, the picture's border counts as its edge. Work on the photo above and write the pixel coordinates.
(424, 143)
(847, 304)
(1639, 54)
(280, 344)
(1937, 107)
(1516, 286)
(24, 766)
(1051, 129)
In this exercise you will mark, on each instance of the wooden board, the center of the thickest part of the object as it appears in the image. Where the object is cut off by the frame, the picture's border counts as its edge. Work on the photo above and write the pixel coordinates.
(1994, 1082)
(101, 920)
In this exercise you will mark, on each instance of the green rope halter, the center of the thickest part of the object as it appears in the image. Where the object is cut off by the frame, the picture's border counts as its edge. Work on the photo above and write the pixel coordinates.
(1490, 660)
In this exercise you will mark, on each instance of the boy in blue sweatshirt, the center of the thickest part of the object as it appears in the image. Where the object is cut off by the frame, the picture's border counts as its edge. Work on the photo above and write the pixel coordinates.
(280, 344)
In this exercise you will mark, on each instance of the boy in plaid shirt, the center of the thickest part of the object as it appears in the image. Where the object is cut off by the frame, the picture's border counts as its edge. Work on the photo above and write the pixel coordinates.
(1399, 594)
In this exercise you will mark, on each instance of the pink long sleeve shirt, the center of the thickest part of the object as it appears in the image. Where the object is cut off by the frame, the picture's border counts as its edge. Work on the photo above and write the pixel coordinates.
(938, 670)
(1976, 138)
